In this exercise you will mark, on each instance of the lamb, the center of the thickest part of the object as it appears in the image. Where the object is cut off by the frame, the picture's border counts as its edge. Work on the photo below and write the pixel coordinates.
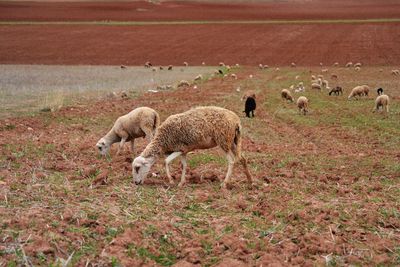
(285, 94)
(302, 104)
(324, 70)
(140, 122)
(379, 91)
(250, 105)
(358, 91)
(336, 90)
(198, 128)
(382, 101)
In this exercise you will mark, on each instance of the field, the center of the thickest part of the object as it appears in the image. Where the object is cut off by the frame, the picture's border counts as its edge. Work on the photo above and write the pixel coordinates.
(326, 186)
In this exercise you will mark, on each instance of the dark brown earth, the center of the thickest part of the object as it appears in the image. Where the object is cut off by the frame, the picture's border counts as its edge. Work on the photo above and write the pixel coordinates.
(307, 45)
(186, 10)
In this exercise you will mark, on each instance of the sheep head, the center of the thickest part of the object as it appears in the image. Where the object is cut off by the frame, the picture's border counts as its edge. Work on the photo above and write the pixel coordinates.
(103, 146)
(140, 168)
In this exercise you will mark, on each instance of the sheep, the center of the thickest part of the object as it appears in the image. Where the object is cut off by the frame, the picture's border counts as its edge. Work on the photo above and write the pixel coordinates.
(395, 72)
(154, 69)
(198, 77)
(358, 91)
(260, 66)
(313, 77)
(140, 122)
(316, 86)
(297, 77)
(334, 76)
(203, 63)
(285, 94)
(185, 64)
(249, 106)
(357, 65)
(357, 68)
(349, 64)
(161, 68)
(266, 66)
(293, 65)
(379, 91)
(198, 128)
(382, 101)
(183, 83)
(325, 83)
(147, 64)
(320, 76)
(336, 90)
(324, 70)
(221, 64)
(234, 76)
(302, 104)
(123, 67)
(336, 64)
(170, 67)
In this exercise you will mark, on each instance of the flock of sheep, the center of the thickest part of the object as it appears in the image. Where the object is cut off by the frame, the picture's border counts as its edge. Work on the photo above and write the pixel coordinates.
(203, 128)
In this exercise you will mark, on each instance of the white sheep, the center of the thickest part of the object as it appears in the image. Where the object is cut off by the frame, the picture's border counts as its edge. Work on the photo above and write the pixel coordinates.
(286, 95)
(185, 64)
(349, 64)
(324, 83)
(221, 64)
(183, 83)
(359, 91)
(260, 66)
(198, 77)
(293, 64)
(382, 101)
(313, 77)
(357, 68)
(198, 128)
(316, 86)
(234, 76)
(324, 70)
(140, 122)
(297, 77)
(336, 64)
(302, 104)
(357, 65)
(395, 72)
(320, 76)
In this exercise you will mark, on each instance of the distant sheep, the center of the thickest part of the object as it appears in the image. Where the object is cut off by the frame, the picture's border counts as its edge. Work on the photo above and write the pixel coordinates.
(325, 83)
(234, 76)
(395, 72)
(185, 64)
(357, 65)
(198, 128)
(334, 76)
(324, 70)
(358, 91)
(249, 106)
(336, 90)
(336, 64)
(183, 83)
(286, 95)
(382, 102)
(221, 64)
(349, 64)
(302, 104)
(140, 122)
(293, 64)
(316, 86)
(357, 68)
(148, 64)
(379, 91)
(198, 77)
(170, 67)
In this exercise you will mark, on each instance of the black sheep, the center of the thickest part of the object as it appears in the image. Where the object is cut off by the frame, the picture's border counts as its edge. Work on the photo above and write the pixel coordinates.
(336, 90)
(379, 91)
(249, 106)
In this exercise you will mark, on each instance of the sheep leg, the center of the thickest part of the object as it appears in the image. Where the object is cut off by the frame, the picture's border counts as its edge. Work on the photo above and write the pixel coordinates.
(184, 164)
(121, 145)
(132, 146)
(231, 161)
(167, 162)
(243, 161)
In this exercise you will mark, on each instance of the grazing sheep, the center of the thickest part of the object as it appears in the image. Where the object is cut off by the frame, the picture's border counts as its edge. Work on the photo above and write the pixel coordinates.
(148, 64)
(183, 83)
(358, 91)
(185, 64)
(324, 70)
(302, 104)
(140, 122)
(277, 69)
(379, 91)
(297, 77)
(161, 68)
(198, 77)
(357, 68)
(313, 77)
(325, 83)
(260, 66)
(123, 67)
(293, 64)
(320, 76)
(382, 101)
(357, 65)
(336, 64)
(221, 64)
(234, 76)
(334, 76)
(336, 90)
(285, 94)
(316, 86)
(249, 106)
(170, 67)
(395, 72)
(198, 128)
(266, 66)
(349, 64)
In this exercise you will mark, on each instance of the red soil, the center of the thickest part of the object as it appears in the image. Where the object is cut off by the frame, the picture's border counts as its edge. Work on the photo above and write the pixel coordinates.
(180, 10)
(373, 44)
